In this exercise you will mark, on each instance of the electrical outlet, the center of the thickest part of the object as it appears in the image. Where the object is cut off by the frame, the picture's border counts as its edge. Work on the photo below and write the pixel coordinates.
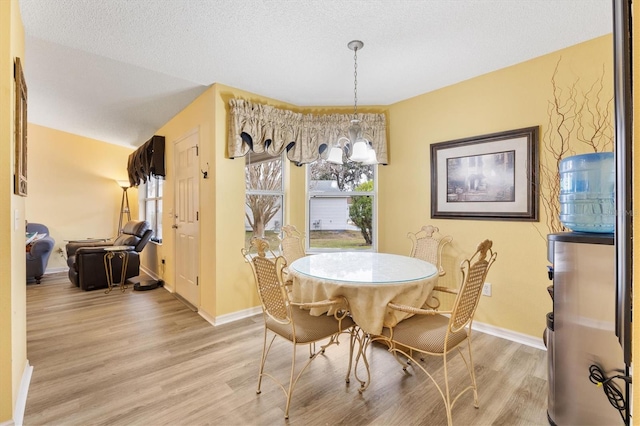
(163, 261)
(486, 289)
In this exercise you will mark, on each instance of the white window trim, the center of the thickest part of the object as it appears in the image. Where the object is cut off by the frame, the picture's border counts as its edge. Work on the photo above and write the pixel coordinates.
(281, 193)
(310, 194)
(142, 207)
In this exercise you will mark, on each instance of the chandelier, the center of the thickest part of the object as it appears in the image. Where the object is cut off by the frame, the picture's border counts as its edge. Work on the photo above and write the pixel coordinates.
(359, 149)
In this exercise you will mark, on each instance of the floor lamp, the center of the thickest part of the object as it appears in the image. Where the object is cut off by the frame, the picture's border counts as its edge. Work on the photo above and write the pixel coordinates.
(124, 205)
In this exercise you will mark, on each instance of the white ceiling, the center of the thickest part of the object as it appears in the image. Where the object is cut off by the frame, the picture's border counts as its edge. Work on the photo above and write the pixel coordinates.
(117, 70)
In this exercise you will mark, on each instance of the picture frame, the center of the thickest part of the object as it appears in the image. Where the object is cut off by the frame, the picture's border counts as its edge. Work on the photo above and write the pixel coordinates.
(20, 169)
(487, 177)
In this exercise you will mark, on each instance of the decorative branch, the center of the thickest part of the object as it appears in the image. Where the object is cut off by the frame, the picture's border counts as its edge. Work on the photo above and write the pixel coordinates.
(577, 122)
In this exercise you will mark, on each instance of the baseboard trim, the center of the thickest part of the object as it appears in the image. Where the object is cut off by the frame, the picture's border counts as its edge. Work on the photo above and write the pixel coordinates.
(149, 272)
(514, 336)
(208, 318)
(503, 333)
(227, 318)
(21, 400)
(492, 330)
(238, 315)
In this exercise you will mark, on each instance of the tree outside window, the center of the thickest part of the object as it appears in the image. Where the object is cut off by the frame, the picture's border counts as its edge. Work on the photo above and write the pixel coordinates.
(264, 199)
(341, 203)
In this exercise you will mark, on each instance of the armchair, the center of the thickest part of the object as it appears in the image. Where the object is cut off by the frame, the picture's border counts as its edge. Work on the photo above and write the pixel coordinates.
(86, 258)
(38, 252)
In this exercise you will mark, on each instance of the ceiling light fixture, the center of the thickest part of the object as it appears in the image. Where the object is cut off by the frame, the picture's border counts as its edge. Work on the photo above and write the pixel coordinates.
(358, 147)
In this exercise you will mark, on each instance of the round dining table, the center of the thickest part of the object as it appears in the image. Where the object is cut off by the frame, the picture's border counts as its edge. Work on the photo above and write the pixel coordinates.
(367, 280)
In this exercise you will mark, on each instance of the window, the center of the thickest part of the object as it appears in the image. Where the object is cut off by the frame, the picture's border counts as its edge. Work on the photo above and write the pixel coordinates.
(341, 203)
(264, 184)
(153, 206)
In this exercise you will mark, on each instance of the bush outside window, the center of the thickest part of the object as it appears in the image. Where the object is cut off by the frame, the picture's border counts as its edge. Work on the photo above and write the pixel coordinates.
(341, 206)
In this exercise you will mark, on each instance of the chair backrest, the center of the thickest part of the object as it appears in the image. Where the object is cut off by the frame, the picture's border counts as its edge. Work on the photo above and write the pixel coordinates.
(292, 243)
(135, 233)
(268, 278)
(474, 273)
(37, 227)
(427, 247)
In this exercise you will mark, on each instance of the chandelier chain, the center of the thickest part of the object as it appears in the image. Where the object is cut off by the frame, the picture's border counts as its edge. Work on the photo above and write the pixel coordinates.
(355, 82)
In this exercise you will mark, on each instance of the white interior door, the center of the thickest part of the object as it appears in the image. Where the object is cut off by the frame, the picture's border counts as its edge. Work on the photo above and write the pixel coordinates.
(186, 214)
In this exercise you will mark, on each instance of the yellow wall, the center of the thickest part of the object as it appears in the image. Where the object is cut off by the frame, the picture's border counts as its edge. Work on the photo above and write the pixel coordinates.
(511, 98)
(224, 278)
(72, 187)
(226, 285)
(507, 99)
(13, 339)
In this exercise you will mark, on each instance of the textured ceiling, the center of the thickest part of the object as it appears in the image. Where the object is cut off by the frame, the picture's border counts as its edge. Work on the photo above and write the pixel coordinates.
(117, 70)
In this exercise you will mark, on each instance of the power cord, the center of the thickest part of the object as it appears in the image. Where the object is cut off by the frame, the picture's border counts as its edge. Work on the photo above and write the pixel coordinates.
(611, 389)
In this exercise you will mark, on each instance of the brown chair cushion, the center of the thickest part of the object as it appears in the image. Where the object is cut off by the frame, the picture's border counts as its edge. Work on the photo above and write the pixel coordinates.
(309, 328)
(425, 333)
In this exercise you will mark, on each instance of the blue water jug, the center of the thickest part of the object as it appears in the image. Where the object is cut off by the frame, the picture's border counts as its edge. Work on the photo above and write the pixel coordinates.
(587, 192)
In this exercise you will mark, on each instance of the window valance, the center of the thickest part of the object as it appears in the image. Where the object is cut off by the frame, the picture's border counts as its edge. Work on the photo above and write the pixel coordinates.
(146, 161)
(264, 128)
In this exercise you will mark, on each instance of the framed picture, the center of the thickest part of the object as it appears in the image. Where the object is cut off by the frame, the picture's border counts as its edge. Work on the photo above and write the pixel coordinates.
(20, 172)
(492, 177)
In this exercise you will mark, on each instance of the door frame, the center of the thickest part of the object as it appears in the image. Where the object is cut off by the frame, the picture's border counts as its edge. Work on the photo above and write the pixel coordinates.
(186, 135)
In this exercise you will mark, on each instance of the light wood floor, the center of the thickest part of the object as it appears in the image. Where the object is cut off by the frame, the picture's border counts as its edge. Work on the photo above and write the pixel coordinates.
(144, 358)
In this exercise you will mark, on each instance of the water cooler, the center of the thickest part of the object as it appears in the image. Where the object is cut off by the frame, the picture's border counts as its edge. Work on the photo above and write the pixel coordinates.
(587, 373)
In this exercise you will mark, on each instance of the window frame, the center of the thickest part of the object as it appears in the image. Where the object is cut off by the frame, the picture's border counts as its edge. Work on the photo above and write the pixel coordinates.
(261, 158)
(309, 195)
(158, 197)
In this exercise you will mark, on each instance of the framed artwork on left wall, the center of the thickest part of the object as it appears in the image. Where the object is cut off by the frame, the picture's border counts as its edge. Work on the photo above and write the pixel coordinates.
(20, 170)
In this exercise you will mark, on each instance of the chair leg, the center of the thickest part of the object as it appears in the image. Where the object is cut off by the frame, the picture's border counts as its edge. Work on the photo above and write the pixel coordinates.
(312, 349)
(293, 378)
(403, 364)
(291, 383)
(447, 401)
(472, 374)
(38, 279)
(445, 395)
(263, 359)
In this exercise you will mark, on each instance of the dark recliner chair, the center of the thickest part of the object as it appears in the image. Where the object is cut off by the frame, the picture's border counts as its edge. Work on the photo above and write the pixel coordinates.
(86, 258)
(38, 252)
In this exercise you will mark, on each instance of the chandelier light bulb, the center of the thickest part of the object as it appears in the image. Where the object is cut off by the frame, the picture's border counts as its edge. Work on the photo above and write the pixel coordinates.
(361, 150)
(335, 155)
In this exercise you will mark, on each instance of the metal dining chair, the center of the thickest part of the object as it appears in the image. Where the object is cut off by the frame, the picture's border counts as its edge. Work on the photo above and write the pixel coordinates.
(292, 321)
(292, 244)
(429, 247)
(433, 332)
(292, 248)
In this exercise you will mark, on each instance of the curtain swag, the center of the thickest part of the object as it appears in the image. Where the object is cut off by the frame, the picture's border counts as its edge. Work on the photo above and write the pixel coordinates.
(305, 137)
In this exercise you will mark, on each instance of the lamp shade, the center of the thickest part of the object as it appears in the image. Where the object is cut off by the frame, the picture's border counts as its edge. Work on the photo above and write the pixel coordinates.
(335, 155)
(371, 156)
(124, 184)
(359, 151)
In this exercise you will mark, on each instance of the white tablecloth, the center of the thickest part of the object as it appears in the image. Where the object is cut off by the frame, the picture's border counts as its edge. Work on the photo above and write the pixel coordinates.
(369, 281)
